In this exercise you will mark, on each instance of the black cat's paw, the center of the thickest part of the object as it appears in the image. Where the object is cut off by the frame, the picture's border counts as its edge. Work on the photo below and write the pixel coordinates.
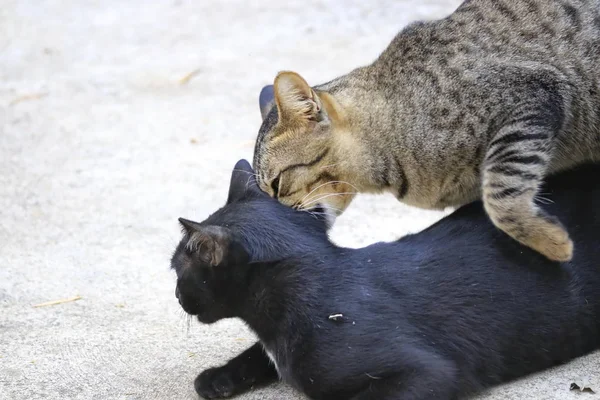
(215, 383)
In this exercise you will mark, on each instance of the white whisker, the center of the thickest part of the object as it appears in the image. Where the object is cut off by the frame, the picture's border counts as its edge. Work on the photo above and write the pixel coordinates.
(328, 207)
(544, 200)
(318, 199)
(328, 166)
(349, 184)
(328, 183)
(316, 188)
(249, 173)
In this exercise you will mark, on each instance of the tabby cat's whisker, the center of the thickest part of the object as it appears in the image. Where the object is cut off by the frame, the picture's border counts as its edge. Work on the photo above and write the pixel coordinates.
(317, 188)
(328, 166)
(249, 173)
(316, 200)
(544, 200)
(251, 182)
(325, 184)
(323, 213)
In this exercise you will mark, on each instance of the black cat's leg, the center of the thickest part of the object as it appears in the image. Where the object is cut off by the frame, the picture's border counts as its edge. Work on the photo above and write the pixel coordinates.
(250, 369)
(515, 165)
(423, 376)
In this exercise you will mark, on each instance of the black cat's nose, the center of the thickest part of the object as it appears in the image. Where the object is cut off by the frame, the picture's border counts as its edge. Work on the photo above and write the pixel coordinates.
(177, 292)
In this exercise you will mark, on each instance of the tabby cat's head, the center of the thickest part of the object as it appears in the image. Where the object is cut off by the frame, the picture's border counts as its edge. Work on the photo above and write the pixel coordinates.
(298, 150)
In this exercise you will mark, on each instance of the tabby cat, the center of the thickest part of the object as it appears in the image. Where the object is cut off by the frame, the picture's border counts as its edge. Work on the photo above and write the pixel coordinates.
(481, 104)
(433, 316)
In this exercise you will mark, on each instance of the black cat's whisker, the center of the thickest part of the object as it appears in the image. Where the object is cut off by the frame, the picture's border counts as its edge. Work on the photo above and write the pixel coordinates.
(189, 324)
(167, 241)
(184, 320)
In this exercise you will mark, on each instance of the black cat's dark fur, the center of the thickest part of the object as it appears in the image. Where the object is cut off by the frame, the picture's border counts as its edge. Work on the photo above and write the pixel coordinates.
(436, 315)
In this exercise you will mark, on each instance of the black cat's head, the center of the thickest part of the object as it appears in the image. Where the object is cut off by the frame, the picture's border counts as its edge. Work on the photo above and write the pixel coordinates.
(213, 261)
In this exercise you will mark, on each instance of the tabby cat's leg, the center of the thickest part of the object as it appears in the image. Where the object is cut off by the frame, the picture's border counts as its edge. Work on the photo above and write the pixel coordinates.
(513, 170)
(249, 369)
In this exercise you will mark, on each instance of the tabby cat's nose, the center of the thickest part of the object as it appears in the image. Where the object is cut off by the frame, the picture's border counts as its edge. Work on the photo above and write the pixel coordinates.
(177, 291)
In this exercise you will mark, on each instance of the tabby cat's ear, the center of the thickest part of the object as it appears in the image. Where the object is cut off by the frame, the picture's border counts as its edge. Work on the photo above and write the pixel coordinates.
(266, 100)
(295, 98)
(211, 242)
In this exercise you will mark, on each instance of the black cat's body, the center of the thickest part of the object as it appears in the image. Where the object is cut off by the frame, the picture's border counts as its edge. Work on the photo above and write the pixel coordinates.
(436, 315)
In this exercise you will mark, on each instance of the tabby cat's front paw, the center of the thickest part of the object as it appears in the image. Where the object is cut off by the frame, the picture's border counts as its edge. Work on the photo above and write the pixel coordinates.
(215, 383)
(541, 232)
(553, 241)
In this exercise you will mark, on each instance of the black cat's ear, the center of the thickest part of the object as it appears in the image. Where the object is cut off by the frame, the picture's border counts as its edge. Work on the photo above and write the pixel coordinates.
(210, 241)
(189, 226)
(243, 182)
(266, 100)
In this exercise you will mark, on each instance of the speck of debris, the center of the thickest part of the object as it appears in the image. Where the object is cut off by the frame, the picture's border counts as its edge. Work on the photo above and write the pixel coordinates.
(336, 317)
(586, 389)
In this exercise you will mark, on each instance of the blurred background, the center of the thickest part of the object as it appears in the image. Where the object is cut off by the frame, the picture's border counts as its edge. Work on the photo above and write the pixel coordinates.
(118, 117)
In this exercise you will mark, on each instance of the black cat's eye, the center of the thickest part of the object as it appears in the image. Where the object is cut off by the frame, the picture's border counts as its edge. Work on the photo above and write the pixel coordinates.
(275, 187)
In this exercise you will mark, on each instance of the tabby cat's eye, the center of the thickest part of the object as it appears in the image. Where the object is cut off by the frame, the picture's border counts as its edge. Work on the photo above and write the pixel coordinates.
(275, 187)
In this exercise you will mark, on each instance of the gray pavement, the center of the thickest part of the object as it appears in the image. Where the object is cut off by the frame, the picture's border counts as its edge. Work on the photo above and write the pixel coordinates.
(103, 146)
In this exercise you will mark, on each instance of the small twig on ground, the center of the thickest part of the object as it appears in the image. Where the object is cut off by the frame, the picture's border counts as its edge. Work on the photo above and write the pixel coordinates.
(577, 388)
(55, 302)
(27, 97)
(188, 77)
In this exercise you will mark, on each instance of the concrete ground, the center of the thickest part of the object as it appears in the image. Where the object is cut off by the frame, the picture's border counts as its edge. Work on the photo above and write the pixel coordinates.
(104, 143)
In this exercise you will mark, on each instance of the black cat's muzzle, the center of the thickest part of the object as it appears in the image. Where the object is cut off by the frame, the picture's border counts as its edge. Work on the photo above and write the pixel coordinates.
(189, 304)
(195, 306)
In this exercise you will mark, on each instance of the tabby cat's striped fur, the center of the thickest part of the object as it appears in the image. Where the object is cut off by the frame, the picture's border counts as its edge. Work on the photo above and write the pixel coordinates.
(483, 103)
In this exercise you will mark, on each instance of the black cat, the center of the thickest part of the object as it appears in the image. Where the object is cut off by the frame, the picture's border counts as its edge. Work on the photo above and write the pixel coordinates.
(436, 315)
